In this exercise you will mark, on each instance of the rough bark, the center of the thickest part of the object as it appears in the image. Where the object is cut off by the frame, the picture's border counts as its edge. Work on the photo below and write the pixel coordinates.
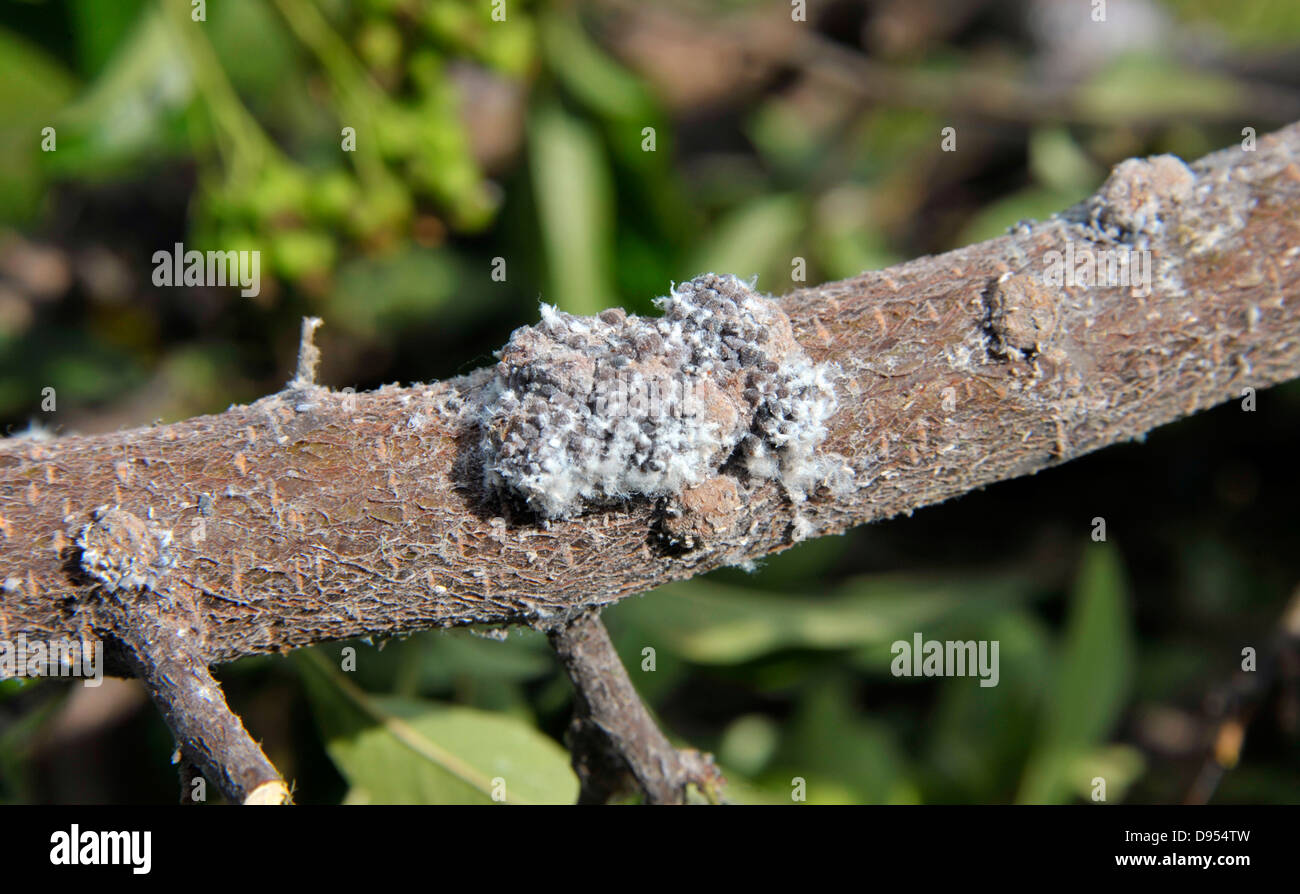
(209, 735)
(617, 748)
(312, 515)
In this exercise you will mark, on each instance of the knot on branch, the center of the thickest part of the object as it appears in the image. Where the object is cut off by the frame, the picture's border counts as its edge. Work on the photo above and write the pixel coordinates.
(1139, 196)
(1020, 316)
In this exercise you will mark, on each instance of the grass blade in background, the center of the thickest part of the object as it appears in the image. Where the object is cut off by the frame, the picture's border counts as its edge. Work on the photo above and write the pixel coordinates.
(574, 198)
(1091, 684)
(712, 623)
(756, 239)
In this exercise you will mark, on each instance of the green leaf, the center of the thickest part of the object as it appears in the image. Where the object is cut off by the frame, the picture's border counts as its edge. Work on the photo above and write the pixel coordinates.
(1097, 660)
(29, 79)
(133, 110)
(864, 762)
(574, 207)
(1260, 23)
(376, 297)
(1092, 681)
(19, 738)
(254, 47)
(1058, 162)
(655, 216)
(848, 236)
(790, 570)
(742, 790)
(1034, 203)
(456, 653)
(713, 623)
(1119, 765)
(980, 737)
(410, 751)
(33, 87)
(1137, 86)
(588, 73)
(100, 27)
(757, 238)
(749, 743)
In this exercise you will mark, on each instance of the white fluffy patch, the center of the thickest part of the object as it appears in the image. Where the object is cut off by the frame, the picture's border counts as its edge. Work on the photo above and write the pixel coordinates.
(125, 552)
(605, 408)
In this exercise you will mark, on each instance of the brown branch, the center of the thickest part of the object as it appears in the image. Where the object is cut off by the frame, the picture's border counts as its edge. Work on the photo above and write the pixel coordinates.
(128, 560)
(614, 741)
(208, 734)
(312, 515)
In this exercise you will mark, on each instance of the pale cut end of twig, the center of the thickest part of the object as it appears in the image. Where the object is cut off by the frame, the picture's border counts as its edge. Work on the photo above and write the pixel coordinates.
(308, 354)
(274, 794)
(1291, 617)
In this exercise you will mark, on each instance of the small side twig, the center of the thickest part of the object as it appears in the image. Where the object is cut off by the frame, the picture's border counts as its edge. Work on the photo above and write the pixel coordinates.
(209, 735)
(132, 559)
(616, 745)
(308, 355)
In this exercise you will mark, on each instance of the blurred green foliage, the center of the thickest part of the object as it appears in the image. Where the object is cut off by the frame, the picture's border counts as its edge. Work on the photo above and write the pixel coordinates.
(384, 155)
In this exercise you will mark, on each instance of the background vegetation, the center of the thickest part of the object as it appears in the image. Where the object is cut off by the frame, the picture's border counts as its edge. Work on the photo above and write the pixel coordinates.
(524, 140)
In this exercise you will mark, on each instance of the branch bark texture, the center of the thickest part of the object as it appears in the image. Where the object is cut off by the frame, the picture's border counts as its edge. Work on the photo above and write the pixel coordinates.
(313, 515)
(617, 748)
(209, 735)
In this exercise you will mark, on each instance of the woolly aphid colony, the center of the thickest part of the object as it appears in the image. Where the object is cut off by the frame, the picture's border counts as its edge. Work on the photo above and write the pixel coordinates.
(124, 552)
(719, 377)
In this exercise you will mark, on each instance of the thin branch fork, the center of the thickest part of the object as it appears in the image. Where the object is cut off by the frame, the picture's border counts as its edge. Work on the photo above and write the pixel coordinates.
(128, 562)
(617, 748)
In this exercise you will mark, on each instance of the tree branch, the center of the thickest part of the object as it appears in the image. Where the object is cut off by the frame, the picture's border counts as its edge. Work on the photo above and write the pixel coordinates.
(208, 734)
(313, 515)
(616, 745)
(129, 562)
